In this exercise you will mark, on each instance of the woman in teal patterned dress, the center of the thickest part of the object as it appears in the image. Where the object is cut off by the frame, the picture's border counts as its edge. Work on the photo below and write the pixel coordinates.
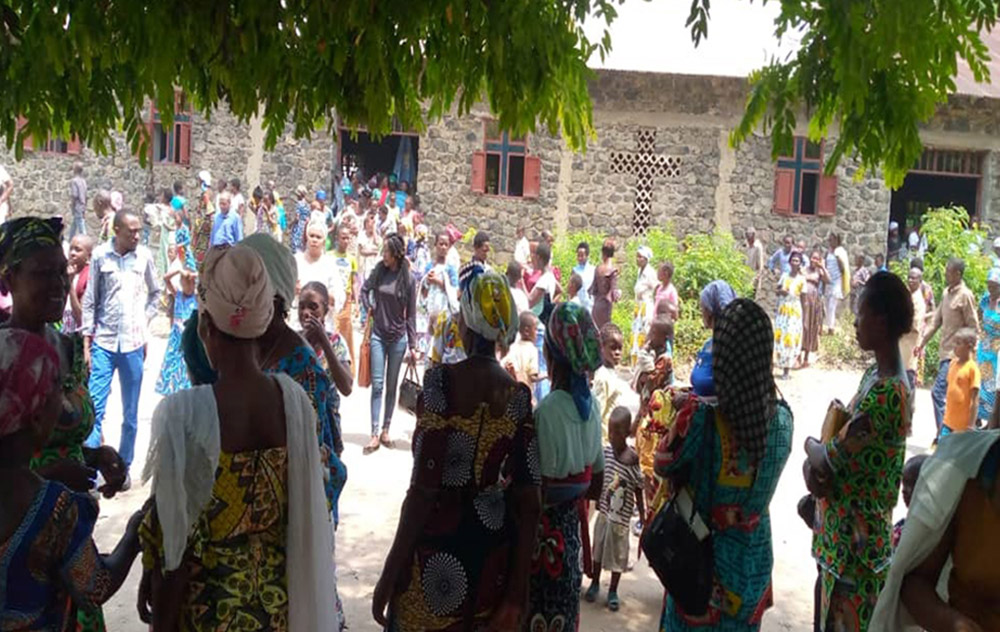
(855, 475)
(173, 373)
(734, 451)
(986, 354)
(33, 267)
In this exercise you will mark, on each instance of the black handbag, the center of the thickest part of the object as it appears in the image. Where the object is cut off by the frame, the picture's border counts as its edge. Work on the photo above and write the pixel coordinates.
(410, 390)
(678, 546)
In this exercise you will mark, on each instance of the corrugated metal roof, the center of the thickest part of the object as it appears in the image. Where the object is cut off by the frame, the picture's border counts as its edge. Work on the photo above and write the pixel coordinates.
(966, 84)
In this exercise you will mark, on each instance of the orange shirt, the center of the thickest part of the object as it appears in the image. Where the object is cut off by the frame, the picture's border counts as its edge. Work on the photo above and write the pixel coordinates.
(962, 379)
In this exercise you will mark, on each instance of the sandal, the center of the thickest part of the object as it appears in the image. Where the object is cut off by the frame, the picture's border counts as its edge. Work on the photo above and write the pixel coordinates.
(591, 595)
(372, 446)
(386, 441)
(613, 602)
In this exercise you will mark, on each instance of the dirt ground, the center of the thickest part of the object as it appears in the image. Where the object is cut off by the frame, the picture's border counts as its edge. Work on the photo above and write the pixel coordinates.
(369, 510)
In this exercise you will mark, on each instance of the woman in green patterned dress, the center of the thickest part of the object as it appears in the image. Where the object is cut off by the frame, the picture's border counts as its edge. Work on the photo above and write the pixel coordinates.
(855, 475)
(33, 268)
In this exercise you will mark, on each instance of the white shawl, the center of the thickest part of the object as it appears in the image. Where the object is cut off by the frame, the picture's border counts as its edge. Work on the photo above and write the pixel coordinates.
(183, 457)
(935, 499)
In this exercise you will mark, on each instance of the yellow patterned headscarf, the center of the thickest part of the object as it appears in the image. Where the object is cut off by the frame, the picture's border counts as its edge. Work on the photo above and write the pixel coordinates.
(487, 305)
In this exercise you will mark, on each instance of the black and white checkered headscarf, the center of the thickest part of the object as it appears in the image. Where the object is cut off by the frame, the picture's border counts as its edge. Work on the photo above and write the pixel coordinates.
(742, 349)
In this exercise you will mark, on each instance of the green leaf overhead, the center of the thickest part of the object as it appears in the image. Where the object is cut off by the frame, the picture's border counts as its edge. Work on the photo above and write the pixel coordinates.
(868, 71)
(87, 67)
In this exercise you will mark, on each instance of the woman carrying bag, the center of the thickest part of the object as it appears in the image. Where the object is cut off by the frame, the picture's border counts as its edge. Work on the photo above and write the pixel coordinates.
(731, 453)
(390, 297)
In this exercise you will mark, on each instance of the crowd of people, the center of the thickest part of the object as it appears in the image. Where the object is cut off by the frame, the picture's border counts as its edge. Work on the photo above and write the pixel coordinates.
(520, 423)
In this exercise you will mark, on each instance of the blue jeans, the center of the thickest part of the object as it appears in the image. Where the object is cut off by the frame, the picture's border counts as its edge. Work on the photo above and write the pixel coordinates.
(104, 363)
(940, 391)
(78, 227)
(387, 359)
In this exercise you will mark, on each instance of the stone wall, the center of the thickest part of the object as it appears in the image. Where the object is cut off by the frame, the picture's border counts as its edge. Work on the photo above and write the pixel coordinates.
(222, 145)
(445, 184)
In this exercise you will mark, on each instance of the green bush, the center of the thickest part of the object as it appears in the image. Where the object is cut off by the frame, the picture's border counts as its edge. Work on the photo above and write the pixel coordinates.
(698, 260)
(949, 234)
(564, 252)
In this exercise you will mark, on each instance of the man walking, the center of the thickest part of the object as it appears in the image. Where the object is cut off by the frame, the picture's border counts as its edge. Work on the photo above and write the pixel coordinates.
(78, 202)
(227, 227)
(118, 304)
(755, 259)
(956, 311)
(838, 287)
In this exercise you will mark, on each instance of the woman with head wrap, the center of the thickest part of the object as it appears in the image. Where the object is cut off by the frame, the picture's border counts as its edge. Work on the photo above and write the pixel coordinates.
(713, 299)
(50, 568)
(571, 460)
(245, 446)
(788, 323)
(34, 269)
(989, 342)
(467, 527)
(390, 297)
(733, 450)
(855, 474)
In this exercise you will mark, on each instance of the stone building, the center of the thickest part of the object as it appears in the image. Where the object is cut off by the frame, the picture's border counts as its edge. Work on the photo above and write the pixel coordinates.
(661, 154)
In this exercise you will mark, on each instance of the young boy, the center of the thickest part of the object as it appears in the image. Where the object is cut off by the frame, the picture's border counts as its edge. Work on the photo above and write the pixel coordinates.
(962, 399)
(622, 492)
(652, 376)
(574, 287)
(607, 387)
(911, 473)
(522, 359)
(515, 279)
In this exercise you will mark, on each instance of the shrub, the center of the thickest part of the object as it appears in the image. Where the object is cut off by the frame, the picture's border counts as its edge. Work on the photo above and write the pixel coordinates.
(564, 251)
(708, 257)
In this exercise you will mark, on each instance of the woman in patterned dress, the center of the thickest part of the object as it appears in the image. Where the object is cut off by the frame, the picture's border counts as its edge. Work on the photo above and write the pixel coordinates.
(644, 297)
(462, 552)
(50, 569)
(568, 424)
(734, 448)
(33, 267)
(788, 324)
(989, 343)
(173, 372)
(240, 539)
(816, 276)
(855, 475)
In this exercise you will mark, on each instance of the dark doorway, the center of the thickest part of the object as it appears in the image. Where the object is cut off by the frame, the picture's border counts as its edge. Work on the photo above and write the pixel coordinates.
(923, 191)
(371, 156)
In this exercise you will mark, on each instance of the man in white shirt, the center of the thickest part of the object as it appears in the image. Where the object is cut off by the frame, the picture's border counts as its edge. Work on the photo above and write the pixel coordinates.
(522, 249)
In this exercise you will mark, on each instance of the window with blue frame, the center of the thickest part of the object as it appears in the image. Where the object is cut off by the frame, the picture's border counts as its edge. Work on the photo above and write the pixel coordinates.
(505, 156)
(799, 182)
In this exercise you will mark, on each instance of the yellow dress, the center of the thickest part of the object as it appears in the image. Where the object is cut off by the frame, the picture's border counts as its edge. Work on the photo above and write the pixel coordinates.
(788, 324)
(236, 551)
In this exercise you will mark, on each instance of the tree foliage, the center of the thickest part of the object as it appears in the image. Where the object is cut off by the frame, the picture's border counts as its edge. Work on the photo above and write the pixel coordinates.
(84, 68)
(874, 70)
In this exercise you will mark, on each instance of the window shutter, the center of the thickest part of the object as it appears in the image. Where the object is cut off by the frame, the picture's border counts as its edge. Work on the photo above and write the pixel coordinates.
(532, 176)
(826, 196)
(479, 172)
(183, 133)
(784, 191)
(73, 145)
(28, 144)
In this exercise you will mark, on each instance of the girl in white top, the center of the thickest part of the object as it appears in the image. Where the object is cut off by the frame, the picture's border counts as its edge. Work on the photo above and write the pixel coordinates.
(315, 265)
(645, 296)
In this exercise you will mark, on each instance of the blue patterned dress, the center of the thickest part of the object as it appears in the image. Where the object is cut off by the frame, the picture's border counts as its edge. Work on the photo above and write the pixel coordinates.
(986, 357)
(174, 374)
(298, 233)
(50, 567)
(739, 516)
